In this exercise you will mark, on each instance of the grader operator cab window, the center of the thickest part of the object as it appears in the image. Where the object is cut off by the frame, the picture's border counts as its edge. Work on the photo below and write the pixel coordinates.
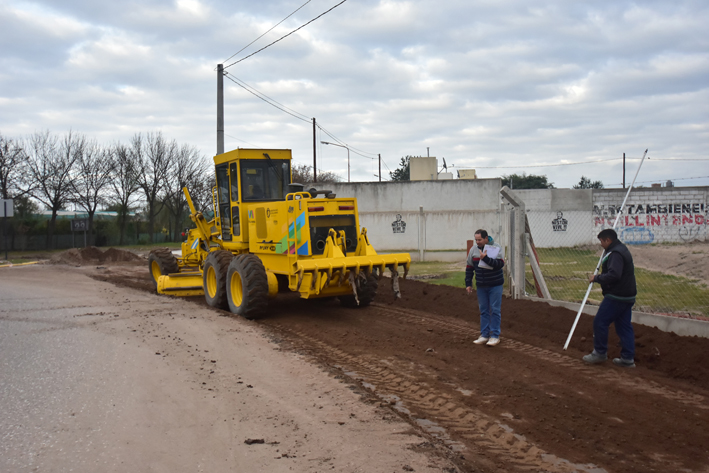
(223, 196)
(264, 179)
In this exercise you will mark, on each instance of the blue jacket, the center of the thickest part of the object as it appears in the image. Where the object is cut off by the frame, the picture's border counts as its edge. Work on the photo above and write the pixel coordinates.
(485, 277)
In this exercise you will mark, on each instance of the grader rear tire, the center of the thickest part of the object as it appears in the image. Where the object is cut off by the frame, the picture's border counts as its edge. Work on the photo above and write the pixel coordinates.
(214, 278)
(161, 262)
(247, 286)
(366, 291)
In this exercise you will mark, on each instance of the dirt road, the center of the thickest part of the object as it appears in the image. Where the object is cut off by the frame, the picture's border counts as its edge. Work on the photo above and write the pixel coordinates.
(95, 377)
(525, 405)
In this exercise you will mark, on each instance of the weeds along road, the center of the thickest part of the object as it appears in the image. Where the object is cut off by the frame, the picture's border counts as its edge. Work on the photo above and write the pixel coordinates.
(524, 405)
(95, 377)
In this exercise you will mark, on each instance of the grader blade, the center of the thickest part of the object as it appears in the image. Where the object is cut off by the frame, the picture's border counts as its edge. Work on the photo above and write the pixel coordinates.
(181, 284)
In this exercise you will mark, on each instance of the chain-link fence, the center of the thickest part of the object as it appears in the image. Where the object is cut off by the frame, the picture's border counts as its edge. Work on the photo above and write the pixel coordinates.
(560, 250)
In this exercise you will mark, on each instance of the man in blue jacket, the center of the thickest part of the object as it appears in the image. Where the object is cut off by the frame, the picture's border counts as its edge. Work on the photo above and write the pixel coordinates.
(617, 281)
(489, 280)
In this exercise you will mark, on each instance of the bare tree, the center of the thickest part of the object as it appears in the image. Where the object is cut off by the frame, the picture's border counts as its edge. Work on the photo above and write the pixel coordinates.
(155, 157)
(13, 169)
(187, 170)
(303, 174)
(91, 178)
(123, 183)
(50, 165)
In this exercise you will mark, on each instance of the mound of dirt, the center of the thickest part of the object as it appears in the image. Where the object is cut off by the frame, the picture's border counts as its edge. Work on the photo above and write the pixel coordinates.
(92, 254)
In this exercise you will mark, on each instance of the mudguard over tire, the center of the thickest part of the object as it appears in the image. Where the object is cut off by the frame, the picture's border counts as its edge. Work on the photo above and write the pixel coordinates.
(162, 262)
(247, 287)
(366, 291)
(214, 278)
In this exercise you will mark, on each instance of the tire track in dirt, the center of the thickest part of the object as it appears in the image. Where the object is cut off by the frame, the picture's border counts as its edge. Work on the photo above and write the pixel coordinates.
(458, 426)
(453, 326)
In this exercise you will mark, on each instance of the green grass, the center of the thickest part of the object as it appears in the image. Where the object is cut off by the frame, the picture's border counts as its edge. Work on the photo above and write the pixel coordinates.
(566, 273)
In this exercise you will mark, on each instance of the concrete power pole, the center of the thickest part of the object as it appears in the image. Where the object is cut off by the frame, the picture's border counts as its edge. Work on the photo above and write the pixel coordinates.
(220, 108)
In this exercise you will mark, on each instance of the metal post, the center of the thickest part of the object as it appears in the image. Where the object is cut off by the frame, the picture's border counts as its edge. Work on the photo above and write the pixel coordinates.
(4, 227)
(623, 170)
(220, 108)
(348, 165)
(380, 168)
(422, 232)
(315, 164)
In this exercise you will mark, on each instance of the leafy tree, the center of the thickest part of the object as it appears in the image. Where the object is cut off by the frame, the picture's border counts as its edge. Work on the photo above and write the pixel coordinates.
(403, 172)
(585, 183)
(303, 174)
(526, 181)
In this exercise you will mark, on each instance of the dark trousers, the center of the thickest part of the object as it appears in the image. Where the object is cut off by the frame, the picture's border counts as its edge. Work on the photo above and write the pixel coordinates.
(615, 312)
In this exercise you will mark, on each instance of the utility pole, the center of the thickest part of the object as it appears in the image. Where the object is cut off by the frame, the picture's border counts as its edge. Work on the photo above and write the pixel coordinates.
(220, 108)
(380, 168)
(315, 164)
(623, 170)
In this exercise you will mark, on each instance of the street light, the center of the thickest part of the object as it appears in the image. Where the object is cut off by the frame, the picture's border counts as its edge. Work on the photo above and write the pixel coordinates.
(348, 156)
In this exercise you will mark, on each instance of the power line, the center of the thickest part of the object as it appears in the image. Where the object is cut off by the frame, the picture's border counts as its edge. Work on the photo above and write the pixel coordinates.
(270, 103)
(354, 150)
(305, 117)
(285, 36)
(252, 42)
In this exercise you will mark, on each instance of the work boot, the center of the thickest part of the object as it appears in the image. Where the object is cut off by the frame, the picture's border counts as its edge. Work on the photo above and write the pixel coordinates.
(481, 341)
(624, 363)
(594, 358)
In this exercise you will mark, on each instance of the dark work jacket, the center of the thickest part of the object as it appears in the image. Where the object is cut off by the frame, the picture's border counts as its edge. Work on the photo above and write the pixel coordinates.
(618, 277)
(484, 277)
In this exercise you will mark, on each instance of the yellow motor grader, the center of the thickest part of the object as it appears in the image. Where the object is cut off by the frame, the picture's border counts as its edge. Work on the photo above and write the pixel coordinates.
(269, 235)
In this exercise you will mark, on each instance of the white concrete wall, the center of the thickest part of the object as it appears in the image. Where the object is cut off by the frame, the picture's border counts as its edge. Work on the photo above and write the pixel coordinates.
(452, 211)
(654, 215)
(559, 217)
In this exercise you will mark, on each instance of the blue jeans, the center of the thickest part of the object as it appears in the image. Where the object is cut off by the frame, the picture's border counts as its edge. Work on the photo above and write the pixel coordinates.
(490, 304)
(619, 313)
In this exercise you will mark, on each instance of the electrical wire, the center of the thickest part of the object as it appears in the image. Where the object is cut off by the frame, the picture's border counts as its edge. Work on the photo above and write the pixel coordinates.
(285, 36)
(284, 109)
(252, 42)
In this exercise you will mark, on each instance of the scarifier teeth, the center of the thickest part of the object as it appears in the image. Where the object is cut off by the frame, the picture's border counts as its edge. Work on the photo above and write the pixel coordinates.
(395, 284)
(353, 283)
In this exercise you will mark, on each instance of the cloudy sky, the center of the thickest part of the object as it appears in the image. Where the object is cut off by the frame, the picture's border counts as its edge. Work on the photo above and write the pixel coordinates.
(499, 86)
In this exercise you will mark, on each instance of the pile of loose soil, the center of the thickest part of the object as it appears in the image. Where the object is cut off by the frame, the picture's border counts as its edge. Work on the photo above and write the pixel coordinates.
(92, 254)
(674, 356)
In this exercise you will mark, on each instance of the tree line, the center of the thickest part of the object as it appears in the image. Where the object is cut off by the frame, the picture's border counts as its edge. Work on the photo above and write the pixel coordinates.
(144, 175)
(513, 181)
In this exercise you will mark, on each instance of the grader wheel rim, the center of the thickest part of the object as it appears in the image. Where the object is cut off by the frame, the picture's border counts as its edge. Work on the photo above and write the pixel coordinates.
(237, 289)
(211, 282)
(155, 269)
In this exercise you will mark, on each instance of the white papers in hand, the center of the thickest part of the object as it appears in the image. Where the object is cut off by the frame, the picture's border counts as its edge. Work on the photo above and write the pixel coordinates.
(492, 252)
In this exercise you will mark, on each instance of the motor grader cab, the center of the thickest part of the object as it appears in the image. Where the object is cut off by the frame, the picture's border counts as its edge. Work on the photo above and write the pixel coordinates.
(269, 235)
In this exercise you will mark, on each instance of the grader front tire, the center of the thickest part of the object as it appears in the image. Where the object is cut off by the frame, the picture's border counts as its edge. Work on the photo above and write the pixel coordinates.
(162, 262)
(214, 278)
(366, 291)
(247, 287)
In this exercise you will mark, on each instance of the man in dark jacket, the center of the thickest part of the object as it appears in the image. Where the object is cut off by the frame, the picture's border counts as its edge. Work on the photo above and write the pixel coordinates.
(617, 281)
(489, 279)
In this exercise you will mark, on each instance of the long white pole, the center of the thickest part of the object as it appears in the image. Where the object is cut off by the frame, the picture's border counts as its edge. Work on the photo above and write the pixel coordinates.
(588, 291)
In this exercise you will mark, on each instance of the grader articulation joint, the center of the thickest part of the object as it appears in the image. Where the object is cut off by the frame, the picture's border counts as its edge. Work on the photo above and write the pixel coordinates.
(267, 235)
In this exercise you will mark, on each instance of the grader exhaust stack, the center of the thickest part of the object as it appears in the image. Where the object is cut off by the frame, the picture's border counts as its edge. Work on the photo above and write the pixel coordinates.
(269, 235)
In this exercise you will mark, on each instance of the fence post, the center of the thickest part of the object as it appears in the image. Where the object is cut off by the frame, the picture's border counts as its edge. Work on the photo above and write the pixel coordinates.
(517, 241)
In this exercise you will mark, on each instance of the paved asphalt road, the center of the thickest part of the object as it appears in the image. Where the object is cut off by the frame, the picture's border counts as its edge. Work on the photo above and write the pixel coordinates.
(94, 377)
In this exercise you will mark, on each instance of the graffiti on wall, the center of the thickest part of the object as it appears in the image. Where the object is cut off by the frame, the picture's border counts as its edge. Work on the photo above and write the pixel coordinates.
(398, 225)
(559, 224)
(652, 215)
